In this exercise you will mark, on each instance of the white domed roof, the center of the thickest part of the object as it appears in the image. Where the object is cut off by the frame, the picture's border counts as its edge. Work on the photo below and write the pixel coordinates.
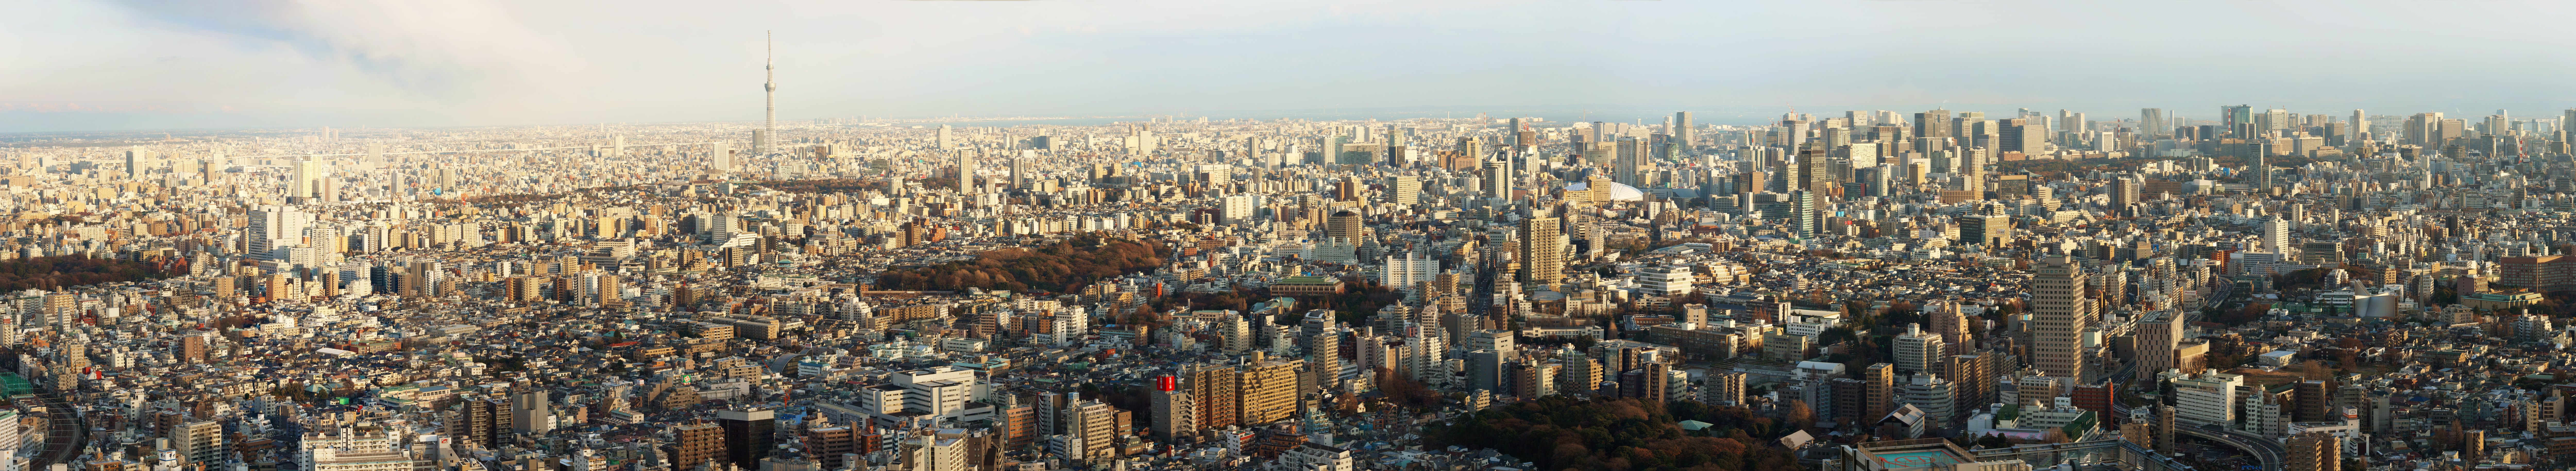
(1623, 192)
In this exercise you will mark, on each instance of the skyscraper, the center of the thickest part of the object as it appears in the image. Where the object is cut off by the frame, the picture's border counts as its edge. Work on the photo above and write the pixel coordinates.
(2313, 451)
(720, 156)
(968, 163)
(1935, 123)
(304, 184)
(1917, 350)
(137, 160)
(2276, 235)
(1632, 154)
(2061, 310)
(2152, 122)
(272, 227)
(1541, 259)
(697, 444)
(748, 435)
(1682, 129)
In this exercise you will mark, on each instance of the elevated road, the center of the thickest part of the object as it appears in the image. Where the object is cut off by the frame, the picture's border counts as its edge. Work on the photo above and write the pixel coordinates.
(2262, 448)
(65, 433)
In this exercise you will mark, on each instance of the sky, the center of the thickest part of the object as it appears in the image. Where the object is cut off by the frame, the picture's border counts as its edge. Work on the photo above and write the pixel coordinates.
(182, 64)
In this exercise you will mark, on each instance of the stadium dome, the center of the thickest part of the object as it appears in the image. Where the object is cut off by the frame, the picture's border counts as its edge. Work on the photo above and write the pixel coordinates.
(1618, 191)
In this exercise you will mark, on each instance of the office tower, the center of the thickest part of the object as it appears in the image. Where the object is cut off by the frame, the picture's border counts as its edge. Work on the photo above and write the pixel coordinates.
(1344, 225)
(2158, 335)
(1404, 189)
(530, 414)
(2124, 191)
(766, 141)
(1472, 148)
(1722, 388)
(1631, 155)
(946, 139)
(1917, 350)
(2314, 451)
(1935, 123)
(696, 444)
(968, 162)
(2359, 129)
(1173, 412)
(720, 156)
(304, 184)
(1682, 131)
(1024, 171)
(1484, 370)
(2232, 115)
(2019, 135)
(2061, 310)
(2276, 236)
(274, 227)
(137, 160)
(1239, 208)
(1990, 230)
(1803, 205)
(1542, 259)
(2151, 122)
(1878, 391)
(749, 435)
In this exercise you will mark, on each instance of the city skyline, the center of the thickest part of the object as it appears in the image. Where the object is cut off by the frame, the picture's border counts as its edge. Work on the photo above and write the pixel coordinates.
(154, 65)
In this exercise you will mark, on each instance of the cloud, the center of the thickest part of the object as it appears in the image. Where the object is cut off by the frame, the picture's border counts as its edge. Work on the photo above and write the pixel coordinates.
(301, 63)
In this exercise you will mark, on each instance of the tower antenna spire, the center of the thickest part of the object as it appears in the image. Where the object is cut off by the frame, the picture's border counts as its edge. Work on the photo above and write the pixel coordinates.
(769, 128)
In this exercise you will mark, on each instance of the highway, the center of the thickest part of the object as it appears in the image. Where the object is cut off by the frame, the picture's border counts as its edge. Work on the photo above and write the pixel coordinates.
(65, 435)
(2263, 448)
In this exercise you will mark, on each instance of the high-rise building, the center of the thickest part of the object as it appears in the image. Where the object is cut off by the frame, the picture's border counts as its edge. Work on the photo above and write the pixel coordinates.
(1722, 388)
(1631, 156)
(1935, 123)
(2313, 451)
(200, 441)
(304, 183)
(748, 435)
(1542, 258)
(531, 414)
(969, 162)
(696, 444)
(2159, 334)
(1404, 189)
(2276, 236)
(1991, 230)
(1929, 393)
(2061, 310)
(274, 227)
(2152, 122)
(1345, 225)
(138, 160)
(1878, 393)
(1917, 350)
(720, 156)
(1682, 131)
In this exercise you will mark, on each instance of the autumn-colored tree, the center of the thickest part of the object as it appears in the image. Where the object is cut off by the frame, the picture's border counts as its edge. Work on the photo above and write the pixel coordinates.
(1799, 415)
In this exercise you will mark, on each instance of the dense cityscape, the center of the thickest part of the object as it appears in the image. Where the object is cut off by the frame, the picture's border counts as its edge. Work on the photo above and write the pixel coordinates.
(1988, 288)
(1870, 290)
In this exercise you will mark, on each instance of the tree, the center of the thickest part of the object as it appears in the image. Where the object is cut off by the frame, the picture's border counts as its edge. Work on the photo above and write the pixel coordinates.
(1799, 415)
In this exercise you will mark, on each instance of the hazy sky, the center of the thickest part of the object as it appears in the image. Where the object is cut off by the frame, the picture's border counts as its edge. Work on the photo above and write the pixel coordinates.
(153, 64)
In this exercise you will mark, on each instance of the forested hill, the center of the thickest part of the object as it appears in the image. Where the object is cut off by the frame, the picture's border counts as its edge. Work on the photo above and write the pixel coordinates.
(1057, 267)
